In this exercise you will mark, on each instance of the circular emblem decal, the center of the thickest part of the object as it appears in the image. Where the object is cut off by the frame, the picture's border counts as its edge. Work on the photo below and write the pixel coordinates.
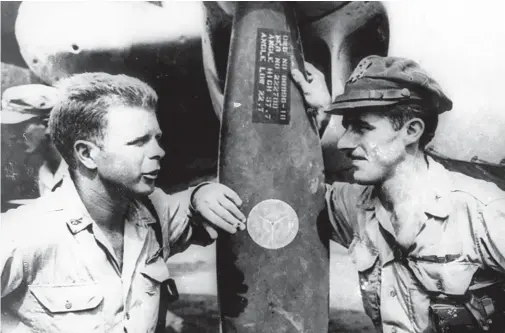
(272, 224)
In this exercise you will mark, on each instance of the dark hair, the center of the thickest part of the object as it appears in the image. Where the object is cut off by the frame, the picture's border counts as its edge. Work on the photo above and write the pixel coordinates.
(402, 113)
(84, 101)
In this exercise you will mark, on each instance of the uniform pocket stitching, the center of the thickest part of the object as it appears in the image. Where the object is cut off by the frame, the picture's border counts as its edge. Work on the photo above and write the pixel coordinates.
(56, 299)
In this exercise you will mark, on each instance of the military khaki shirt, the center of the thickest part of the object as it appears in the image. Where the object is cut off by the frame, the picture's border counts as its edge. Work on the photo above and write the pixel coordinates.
(60, 273)
(457, 228)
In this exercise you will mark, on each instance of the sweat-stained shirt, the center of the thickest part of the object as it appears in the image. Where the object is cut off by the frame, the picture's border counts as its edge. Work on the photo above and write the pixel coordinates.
(60, 273)
(457, 227)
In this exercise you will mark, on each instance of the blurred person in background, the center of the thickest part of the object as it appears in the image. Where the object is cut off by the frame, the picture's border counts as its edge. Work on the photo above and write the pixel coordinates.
(32, 103)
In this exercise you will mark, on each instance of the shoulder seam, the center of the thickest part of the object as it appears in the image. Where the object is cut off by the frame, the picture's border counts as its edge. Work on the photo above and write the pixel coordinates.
(490, 198)
(494, 200)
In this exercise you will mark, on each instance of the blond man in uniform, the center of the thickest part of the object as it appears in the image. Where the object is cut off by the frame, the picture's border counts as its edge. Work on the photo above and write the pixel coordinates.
(90, 256)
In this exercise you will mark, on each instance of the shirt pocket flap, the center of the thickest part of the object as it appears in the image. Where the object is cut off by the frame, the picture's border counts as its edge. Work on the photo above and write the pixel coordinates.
(157, 270)
(67, 298)
(451, 278)
(363, 256)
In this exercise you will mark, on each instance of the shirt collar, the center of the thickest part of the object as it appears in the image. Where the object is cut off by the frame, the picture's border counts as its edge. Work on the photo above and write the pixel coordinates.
(438, 185)
(77, 216)
(51, 180)
(62, 171)
(140, 214)
(366, 200)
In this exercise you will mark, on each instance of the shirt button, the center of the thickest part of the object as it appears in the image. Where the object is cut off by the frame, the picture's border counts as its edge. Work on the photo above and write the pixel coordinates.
(68, 305)
(392, 293)
(127, 315)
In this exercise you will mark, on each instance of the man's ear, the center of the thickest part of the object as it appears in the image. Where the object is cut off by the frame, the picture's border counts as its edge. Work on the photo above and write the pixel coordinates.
(414, 129)
(86, 153)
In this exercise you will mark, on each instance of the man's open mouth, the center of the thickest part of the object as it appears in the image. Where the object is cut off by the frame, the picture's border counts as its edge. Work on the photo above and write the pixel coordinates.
(151, 175)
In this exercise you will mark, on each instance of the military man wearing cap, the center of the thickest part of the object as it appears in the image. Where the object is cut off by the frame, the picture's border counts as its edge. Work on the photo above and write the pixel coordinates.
(428, 243)
(34, 102)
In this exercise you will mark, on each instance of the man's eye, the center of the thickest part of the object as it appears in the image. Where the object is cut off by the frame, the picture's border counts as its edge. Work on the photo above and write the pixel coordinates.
(356, 128)
(363, 128)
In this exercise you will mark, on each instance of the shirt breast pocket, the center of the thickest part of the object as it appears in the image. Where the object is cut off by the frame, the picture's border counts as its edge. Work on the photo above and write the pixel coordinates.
(436, 277)
(67, 308)
(451, 278)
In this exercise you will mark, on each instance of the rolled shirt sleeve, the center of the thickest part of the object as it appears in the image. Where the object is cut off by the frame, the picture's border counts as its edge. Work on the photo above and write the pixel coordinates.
(341, 202)
(181, 226)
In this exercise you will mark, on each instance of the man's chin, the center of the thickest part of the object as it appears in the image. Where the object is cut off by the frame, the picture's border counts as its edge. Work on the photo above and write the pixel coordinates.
(138, 191)
(144, 190)
(363, 179)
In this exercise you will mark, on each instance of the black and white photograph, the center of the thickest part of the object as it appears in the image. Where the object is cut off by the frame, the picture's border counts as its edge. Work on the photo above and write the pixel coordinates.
(252, 167)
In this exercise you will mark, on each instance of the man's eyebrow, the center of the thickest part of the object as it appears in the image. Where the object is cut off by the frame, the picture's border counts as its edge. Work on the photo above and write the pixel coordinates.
(362, 122)
(355, 121)
(349, 120)
(138, 139)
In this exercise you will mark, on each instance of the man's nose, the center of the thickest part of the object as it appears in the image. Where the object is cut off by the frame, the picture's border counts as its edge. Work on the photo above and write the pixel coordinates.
(347, 141)
(158, 152)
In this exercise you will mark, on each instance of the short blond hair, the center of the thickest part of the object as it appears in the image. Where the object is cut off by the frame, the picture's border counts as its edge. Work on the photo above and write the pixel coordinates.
(79, 113)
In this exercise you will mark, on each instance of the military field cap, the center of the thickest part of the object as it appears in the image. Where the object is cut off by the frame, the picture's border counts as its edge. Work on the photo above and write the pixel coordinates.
(28, 101)
(382, 81)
